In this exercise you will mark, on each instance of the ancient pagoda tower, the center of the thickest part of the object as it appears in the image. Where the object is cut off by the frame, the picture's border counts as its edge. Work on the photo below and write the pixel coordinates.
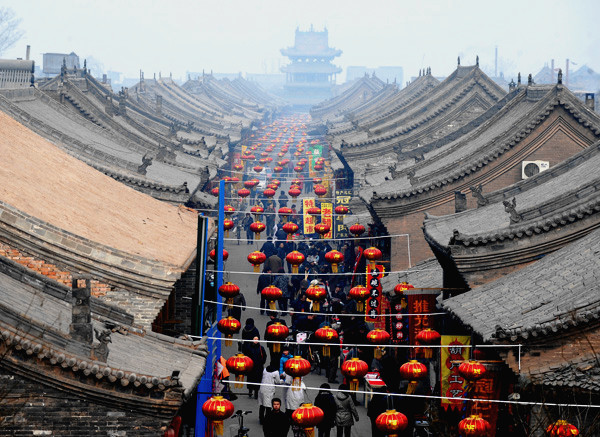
(310, 76)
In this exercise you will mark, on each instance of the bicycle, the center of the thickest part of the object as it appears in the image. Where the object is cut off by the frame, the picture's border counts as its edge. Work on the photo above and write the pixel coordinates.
(242, 431)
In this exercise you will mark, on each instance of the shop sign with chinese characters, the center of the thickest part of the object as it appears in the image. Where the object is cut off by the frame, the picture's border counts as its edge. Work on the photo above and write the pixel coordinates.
(373, 304)
(453, 385)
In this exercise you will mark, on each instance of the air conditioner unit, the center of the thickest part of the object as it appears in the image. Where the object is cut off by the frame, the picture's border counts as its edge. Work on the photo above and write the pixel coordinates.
(531, 168)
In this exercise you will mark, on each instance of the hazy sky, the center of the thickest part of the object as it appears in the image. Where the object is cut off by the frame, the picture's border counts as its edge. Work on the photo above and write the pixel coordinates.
(229, 36)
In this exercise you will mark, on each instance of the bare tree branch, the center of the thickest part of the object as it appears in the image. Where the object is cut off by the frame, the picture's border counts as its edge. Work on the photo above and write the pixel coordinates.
(9, 29)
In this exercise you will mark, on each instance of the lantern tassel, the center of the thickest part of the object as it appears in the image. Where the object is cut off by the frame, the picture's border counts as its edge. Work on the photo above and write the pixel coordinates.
(354, 384)
(256, 268)
(239, 379)
(276, 347)
(378, 352)
(226, 236)
(258, 235)
(296, 383)
(371, 264)
(310, 432)
(218, 424)
(427, 352)
(228, 342)
(294, 269)
(272, 305)
(316, 306)
(230, 303)
(326, 351)
(360, 307)
(412, 387)
(334, 268)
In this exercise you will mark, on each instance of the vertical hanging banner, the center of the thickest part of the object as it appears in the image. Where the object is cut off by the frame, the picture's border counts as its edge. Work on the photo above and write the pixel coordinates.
(308, 220)
(453, 385)
(342, 197)
(327, 218)
(373, 304)
(487, 387)
(399, 321)
(419, 302)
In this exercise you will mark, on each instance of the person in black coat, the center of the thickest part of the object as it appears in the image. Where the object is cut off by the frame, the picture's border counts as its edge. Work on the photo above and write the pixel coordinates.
(258, 355)
(276, 422)
(249, 332)
(326, 402)
(377, 406)
(264, 281)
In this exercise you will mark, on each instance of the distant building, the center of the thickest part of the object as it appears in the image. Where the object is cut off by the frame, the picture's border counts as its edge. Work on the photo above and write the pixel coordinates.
(310, 76)
(387, 74)
(54, 61)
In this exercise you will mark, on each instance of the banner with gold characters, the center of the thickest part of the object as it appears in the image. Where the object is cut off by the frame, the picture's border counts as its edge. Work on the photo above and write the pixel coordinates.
(453, 385)
(308, 220)
(327, 218)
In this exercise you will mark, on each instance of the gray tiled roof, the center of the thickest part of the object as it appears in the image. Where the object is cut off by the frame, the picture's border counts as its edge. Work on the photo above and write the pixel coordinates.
(426, 274)
(555, 293)
(583, 373)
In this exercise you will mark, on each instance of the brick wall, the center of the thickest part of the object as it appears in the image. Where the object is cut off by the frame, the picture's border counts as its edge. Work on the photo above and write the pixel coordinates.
(28, 408)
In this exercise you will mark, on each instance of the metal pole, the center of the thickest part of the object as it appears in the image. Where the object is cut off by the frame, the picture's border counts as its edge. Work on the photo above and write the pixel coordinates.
(219, 250)
(199, 296)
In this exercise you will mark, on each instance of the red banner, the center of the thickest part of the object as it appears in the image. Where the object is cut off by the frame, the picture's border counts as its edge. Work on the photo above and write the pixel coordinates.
(419, 302)
(373, 306)
(488, 387)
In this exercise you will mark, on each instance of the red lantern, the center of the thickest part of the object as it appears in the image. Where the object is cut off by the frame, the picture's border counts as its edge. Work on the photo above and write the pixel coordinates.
(228, 209)
(217, 409)
(243, 192)
(318, 167)
(428, 337)
(354, 370)
(277, 332)
(251, 183)
(317, 181)
(316, 294)
(326, 334)
(297, 367)
(307, 416)
(391, 423)
(213, 255)
(341, 210)
(258, 168)
(228, 291)
(249, 157)
(271, 294)
(264, 154)
(378, 337)
(227, 225)
(562, 428)
(272, 186)
(276, 182)
(314, 210)
(322, 229)
(360, 294)
(229, 326)
(234, 179)
(474, 425)
(295, 258)
(320, 190)
(402, 287)
(334, 258)
(471, 370)
(257, 210)
(278, 169)
(215, 191)
(238, 167)
(413, 371)
(372, 254)
(256, 258)
(294, 192)
(290, 228)
(296, 181)
(269, 192)
(257, 228)
(284, 212)
(262, 161)
(298, 169)
(357, 229)
(239, 365)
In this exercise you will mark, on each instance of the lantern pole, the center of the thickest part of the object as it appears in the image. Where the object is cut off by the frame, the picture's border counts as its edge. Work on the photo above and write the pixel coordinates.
(219, 251)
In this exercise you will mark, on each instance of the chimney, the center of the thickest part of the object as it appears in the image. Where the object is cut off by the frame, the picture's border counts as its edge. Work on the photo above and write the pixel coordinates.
(460, 201)
(27, 53)
(81, 322)
(590, 100)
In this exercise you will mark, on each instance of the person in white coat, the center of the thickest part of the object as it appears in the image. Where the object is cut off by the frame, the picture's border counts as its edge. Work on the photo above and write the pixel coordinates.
(294, 398)
(270, 376)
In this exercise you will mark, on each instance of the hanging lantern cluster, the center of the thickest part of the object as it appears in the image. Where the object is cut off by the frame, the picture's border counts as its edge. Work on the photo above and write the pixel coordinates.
(354, 370)
(297, 367)
(391, 423)
(271, 294)
(413, 371)
(295, 258)
(360, 294)
(256, 258)
(217, 409)
(326, 334)
(316, 294)
(379, 337)
(240, 365)
(228, 291)
(229, 326)
(277, 332)
(307, 417)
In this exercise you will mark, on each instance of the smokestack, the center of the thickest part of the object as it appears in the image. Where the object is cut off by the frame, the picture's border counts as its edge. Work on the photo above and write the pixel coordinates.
(28, 52)
(589, 100)
(496, 63)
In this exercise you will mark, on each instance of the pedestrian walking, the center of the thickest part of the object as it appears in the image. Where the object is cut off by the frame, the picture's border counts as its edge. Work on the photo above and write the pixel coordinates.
(246, 224)
(270, 378)
(326, 402)
(264, 281)
(258, 355)
(346, 413)
(239, 305)
(276, 422)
